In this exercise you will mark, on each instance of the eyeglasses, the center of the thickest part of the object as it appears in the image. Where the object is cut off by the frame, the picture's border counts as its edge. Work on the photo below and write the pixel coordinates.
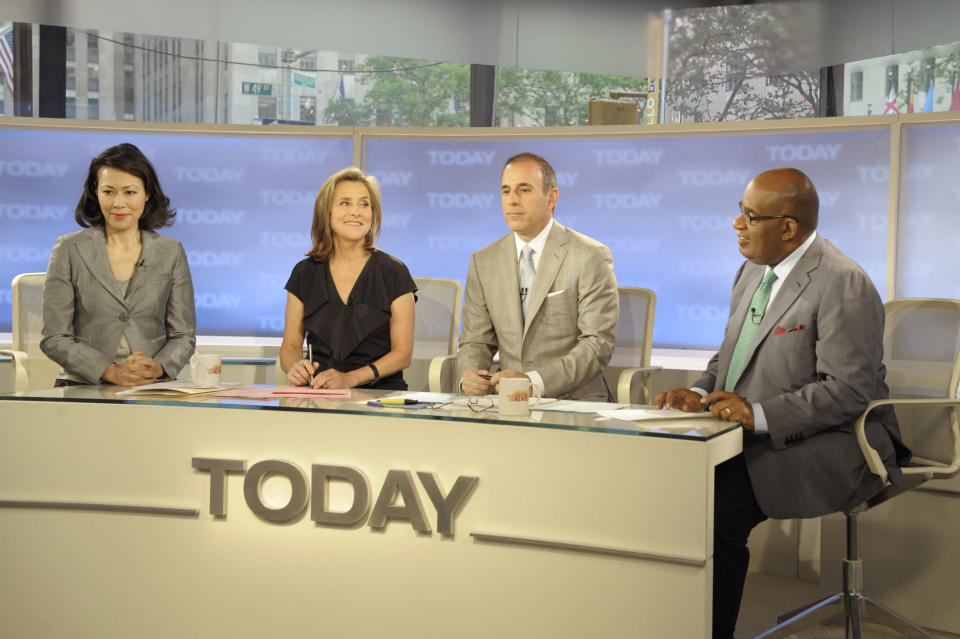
(480, 404)
(752, 219)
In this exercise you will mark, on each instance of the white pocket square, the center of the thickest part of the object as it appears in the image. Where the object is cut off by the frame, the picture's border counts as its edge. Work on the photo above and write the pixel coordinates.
(562, 290)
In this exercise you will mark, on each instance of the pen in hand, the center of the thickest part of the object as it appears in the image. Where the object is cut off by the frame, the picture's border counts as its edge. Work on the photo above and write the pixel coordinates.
(310, 356)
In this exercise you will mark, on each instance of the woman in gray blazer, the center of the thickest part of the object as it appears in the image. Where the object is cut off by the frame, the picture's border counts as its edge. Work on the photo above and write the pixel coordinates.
(118, 297)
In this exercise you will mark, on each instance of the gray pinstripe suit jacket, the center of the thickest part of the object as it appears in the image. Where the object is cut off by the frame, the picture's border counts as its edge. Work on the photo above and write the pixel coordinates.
(84, 314)
(812, 382)
(571, 319)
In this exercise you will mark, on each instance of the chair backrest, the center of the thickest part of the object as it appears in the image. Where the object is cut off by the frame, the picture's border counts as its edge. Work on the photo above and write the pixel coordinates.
(437, 327)
(921, 348)
(27, 289)
(437, 317)
(635, 328)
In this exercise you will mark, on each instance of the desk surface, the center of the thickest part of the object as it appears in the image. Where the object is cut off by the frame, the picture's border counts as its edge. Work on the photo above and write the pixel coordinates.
(696, 428)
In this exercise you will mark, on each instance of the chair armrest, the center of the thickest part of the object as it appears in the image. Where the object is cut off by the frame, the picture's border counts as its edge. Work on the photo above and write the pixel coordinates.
(279, 377)
(873, 457)
(20, 378)
(626, 380)
(442, 368)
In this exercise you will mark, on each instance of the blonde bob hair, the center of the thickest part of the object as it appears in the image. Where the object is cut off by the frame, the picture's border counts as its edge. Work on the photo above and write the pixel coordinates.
(321, 233)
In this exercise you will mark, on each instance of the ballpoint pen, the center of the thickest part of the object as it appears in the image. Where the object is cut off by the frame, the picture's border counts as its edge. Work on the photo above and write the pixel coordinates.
(310, 356)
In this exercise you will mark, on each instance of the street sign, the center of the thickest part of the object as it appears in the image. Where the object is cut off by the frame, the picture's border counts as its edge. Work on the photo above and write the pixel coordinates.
(257, 88)
(304, 80)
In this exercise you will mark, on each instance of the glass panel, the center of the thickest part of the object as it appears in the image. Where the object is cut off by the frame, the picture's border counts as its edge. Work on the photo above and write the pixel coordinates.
(696, 429)
(244, 210)
(928, 259)
(441, 195)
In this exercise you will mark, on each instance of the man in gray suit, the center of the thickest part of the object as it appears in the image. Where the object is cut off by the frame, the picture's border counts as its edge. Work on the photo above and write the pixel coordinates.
(543, 295)
(801, 358)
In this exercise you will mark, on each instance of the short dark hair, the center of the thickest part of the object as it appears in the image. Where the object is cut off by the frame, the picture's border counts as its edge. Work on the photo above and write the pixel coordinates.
(549, 175)
(125, 157)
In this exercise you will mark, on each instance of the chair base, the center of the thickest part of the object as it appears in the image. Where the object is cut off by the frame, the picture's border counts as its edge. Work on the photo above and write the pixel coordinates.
(849, 610)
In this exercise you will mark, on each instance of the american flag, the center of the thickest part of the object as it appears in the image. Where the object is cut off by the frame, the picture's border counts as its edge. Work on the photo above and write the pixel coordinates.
(6, 57)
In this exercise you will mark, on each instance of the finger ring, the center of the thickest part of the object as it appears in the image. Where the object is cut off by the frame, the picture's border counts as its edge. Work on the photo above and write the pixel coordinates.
(726, 412)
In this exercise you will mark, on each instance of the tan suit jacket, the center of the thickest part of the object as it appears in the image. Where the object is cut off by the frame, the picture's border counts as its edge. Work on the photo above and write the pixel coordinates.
(571, 319)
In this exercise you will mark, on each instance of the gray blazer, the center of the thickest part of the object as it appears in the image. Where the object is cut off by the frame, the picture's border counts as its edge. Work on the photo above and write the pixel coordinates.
(812, 381)
(84, 314)
(571, 319)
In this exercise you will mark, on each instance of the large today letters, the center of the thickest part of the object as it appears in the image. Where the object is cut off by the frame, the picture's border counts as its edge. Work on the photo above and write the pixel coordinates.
(386, 507)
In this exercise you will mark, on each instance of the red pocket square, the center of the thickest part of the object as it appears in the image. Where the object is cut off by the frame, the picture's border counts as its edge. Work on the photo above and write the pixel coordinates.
(781, 330)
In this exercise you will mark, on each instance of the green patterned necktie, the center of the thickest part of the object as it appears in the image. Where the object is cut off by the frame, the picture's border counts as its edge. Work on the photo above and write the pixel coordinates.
(758, 306)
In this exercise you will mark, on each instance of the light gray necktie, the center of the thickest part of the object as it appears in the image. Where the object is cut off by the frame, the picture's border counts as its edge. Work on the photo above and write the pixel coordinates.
(527, 272)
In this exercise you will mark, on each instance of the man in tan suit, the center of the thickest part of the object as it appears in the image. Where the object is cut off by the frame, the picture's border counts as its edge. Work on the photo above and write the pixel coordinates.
(543, 295)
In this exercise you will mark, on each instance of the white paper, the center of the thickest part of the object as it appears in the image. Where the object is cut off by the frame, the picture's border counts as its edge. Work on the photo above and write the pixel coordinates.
(642, 414)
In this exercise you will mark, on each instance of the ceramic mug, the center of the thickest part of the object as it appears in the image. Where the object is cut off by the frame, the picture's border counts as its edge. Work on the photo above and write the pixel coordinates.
(205, 369)
(515, 395)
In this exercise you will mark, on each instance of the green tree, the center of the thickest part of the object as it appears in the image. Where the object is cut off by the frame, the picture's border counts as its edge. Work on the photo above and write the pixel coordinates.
(726, 64)
(347, 112)
(405, 92)
(942, 70)
(555, 98)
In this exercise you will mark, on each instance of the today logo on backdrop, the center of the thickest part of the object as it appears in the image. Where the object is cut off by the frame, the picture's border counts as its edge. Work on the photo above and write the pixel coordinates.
(212, 217)
(460, 158)
(31, 169)
(803, 152)
(208, 175)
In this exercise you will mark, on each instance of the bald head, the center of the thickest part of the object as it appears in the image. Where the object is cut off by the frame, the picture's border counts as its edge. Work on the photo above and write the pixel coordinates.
(790, 192)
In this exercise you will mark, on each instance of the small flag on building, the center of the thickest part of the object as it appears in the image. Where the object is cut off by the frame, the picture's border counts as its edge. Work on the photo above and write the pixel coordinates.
(340, 90)
(928, 101)
(6, 56)
(891, 103)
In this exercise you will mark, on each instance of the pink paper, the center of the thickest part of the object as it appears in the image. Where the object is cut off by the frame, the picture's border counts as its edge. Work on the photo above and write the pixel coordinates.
(306, 391)
(257, 392)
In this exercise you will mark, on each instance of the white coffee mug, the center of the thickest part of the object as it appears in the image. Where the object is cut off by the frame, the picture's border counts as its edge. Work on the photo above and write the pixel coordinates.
(205, 369)
(515, 397)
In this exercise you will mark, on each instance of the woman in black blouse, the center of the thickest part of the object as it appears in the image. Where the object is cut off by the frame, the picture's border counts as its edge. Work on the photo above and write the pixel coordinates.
(354, 303)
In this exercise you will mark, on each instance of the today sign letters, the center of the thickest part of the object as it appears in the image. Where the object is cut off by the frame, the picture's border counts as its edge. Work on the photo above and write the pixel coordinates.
(385, 508)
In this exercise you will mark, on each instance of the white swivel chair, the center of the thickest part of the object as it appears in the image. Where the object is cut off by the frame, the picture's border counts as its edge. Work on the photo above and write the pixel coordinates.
(921, 348)
(31, 368)
(629, 370)
(436, 324)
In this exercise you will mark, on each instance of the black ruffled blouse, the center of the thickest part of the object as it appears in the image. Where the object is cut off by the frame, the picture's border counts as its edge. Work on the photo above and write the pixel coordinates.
(352, 335)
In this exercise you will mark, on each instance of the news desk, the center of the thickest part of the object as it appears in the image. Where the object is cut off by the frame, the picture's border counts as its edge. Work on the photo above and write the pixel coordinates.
(558, 525)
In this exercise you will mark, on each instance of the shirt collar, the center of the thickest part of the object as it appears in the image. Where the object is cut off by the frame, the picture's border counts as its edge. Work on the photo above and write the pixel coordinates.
(786, 265)
(536, 243)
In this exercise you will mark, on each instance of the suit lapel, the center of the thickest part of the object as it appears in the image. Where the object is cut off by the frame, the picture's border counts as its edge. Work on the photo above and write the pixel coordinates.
(751, 280)
(93, 252)
(149, 259)
(790, 290)
(554, 251)
(506, 280)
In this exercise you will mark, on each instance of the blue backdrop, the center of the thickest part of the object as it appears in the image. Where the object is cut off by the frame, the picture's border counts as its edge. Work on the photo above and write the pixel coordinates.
(663, 204)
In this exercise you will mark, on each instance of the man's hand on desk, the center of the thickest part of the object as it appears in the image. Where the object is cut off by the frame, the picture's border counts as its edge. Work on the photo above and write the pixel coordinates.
(495, 380)
(475, 382)
(730, 407)
(680, 398)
